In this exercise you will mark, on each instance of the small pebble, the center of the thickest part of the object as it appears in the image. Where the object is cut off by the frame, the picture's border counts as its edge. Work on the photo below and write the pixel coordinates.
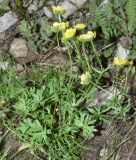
(18, 48)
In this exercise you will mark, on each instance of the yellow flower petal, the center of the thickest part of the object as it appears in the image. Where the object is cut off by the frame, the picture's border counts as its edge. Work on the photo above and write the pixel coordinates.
(2, 102)
(121, 62)
(57, 27)
(85, 78)
(58, 10)
(92, 33)
(69, 34)
(87, 37)
(80, 26)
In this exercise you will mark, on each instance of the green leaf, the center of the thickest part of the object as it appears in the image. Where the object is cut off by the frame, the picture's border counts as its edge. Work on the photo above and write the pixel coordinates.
(4, 5)
(18, 2)
(33, 130)
(108, 53)
(88, 131)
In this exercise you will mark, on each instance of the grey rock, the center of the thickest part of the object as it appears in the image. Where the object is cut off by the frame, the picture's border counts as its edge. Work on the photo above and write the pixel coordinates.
(103, 6)
(75, 69)
(103, 154)
(33, 7)
(40, 13)
(2, 37)
(126, 42)
(78, 3)
(1, 1)
(70, 8)
(7, 20)
(52, 3)
(64, 49)
(100, 97)
(31, 57)
(48, 12)
(104, 3)
(122, 52)
(4, 65)
(19, 67)
(18, 48)
(41, 3)
(26, 3)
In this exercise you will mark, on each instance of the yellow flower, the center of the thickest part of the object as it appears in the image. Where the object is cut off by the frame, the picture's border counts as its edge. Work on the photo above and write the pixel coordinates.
(85, 78)
(121, 62)
(93, 34)
(69, 34)
(2, 102)
(87, 37)
(57, 27)
(80, 26)
(58, 10)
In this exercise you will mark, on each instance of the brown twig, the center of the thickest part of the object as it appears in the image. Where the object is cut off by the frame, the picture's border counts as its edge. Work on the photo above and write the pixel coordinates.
(119, 147)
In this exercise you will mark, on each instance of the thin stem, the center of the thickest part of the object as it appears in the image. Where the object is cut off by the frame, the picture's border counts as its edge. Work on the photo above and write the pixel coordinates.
(59, 18)
(70, 59)
(128, 70)
(123, 142)
(69, 44)
(77, 51)
(76, 47)
(95, 52)
(86, 57)
(100, 88)
(57, 38)
(94, 84)
(116, 81)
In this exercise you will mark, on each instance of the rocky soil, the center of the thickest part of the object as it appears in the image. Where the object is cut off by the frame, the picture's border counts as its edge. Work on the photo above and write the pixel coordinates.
(116, 140)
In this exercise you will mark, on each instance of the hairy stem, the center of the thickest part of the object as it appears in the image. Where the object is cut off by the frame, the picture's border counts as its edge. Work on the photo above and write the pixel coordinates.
(86, 57)
(70, 59)
(95, 52)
